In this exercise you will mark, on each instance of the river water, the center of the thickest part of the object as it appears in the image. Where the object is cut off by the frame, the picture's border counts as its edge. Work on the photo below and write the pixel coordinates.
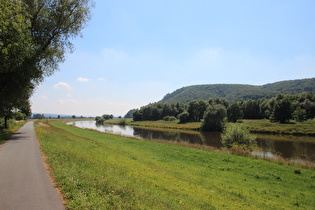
(296, 148)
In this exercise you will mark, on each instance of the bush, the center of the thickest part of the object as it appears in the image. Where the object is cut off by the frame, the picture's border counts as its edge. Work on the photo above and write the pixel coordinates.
(237, 134)
(169, 118)
(19, 116)
(122, 122)
(99, 120)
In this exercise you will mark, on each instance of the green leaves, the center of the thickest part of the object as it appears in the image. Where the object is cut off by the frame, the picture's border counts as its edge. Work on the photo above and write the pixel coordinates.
(34, 37)
(237, 134)
(214, 118)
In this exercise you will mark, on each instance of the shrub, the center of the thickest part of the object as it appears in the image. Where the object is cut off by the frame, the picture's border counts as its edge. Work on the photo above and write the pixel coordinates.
(19, 116)
(99, 120)
(237, 134)
(169, 118)
(122, 122)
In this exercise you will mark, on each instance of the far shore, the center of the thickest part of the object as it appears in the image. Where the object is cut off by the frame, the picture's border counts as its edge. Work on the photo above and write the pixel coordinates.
(255, 126)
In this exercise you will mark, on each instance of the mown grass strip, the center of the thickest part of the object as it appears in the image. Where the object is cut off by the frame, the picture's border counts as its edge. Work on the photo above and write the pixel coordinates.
(103, 171)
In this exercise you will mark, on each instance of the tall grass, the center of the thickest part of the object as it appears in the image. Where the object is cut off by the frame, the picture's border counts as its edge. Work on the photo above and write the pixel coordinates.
(102, 171)
(6, 133)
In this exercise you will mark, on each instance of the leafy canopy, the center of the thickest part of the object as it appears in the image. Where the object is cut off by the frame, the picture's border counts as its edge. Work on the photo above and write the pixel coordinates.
(34, 37)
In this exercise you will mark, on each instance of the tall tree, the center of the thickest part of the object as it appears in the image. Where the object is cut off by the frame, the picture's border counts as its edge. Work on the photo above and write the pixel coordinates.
(34, 37)
(234, 112)
(15, 47)
(214, 118)
(196, 110)
(282, 109)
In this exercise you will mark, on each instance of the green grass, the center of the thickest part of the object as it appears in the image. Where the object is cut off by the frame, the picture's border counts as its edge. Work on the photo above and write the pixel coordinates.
(102, 171)
(293, 128)
(159, 124)
(5, 134)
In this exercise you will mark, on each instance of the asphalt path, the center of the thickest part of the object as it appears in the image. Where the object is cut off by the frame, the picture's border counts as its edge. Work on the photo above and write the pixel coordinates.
(24, 182)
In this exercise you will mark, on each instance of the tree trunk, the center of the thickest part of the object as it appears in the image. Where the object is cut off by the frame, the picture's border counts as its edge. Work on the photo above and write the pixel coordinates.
(5, 122)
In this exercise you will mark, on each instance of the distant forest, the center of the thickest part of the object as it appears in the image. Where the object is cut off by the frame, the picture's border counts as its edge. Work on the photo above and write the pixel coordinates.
(281, 108)
(237, 92)
(238, 101)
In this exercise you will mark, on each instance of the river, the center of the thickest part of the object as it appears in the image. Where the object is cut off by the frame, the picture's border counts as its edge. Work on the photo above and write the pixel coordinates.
(296, 148)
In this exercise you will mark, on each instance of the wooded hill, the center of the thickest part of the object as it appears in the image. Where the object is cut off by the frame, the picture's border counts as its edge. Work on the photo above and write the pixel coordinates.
(237, 92)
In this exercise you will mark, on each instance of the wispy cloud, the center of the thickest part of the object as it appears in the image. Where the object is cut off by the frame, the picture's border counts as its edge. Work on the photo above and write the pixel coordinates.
(61, 85)
(81, 79)
(67, 101)
(43, 97)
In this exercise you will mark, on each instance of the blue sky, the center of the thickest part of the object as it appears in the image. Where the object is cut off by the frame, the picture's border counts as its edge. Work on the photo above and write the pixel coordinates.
(134, 52)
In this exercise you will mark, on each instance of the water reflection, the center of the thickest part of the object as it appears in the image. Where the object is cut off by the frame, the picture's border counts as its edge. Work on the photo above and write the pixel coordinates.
(286, 146)
(291, 147)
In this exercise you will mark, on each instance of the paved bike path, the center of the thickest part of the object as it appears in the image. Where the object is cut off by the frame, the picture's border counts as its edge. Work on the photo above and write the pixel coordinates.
(24, 182)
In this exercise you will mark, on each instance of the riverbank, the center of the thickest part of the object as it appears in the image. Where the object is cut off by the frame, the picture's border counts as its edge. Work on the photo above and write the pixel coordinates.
(97, 170)
(255, 126)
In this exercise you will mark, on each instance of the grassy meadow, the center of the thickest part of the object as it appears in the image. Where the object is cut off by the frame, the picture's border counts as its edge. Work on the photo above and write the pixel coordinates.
(102, 171)
(293, 128)
(158, 124)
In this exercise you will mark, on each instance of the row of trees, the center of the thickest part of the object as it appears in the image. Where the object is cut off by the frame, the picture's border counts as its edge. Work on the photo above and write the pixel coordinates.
(158, 111)
(213, 112)
(34, 37)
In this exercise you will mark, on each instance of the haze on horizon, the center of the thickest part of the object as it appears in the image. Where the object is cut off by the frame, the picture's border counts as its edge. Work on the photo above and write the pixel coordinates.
(135, 52)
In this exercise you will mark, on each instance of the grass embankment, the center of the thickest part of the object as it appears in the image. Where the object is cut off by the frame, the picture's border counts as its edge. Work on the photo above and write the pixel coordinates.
(158, 124)
(255, 126)
(6, 133)
(102, 171)
(293, 128)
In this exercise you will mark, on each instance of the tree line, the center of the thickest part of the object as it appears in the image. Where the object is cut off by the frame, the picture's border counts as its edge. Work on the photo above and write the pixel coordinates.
(215, 111)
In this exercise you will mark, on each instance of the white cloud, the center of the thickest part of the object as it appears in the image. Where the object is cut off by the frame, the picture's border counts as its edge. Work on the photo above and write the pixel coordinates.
(101, 79)
(81, 79)
(67, 101)
(43, 97)
(61, 85)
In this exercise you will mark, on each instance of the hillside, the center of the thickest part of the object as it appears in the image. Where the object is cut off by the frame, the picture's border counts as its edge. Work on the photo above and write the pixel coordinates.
(237, 92)
(292, 86)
